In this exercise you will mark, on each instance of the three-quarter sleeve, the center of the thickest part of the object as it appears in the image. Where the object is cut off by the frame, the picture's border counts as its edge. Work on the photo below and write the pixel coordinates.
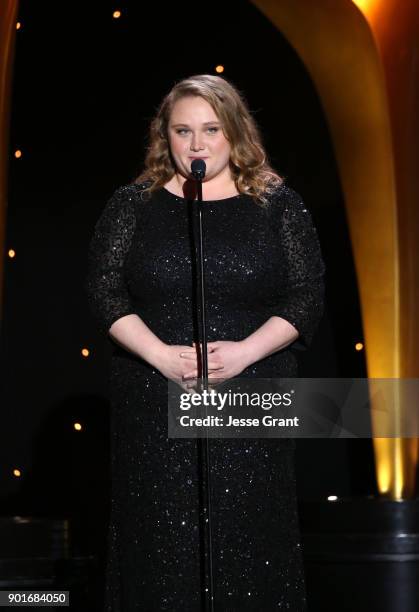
(105, 285)
(301, 300)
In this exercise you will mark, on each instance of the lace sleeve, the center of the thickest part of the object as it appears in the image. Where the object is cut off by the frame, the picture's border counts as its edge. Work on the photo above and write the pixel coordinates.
(301, 302)
(105, 284)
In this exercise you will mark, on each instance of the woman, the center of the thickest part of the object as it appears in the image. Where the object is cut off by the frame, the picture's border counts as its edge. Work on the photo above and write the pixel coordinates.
(264, 295)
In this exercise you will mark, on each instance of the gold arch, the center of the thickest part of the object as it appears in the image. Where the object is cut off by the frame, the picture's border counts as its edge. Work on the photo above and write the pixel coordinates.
(358, 58)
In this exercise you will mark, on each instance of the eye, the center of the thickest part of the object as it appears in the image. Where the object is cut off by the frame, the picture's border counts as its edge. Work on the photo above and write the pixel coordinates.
(181, 131)
(213, 130)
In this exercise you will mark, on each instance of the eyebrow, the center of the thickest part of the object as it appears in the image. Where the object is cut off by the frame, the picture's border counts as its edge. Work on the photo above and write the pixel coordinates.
(186, 125)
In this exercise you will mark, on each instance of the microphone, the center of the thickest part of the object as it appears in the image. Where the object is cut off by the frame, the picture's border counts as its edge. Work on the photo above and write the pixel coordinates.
(198, 169)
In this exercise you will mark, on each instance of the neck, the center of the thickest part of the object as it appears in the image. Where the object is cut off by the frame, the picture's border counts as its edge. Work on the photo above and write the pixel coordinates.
(215, 188)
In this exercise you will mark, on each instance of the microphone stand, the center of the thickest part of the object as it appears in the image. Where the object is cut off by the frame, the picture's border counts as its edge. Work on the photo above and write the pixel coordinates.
(203, 443)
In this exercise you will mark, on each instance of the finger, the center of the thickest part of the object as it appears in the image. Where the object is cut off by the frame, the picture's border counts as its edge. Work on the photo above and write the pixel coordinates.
(190, 375)
(209, 347)
(215, 365)
(217, 375)
(188, 355)
(184, 386)
(212, 367)
(191, 355)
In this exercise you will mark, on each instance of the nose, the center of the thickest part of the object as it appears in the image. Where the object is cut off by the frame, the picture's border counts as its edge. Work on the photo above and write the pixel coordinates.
(196, 142)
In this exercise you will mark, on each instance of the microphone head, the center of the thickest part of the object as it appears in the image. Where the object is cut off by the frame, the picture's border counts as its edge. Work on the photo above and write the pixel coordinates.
(198, 168)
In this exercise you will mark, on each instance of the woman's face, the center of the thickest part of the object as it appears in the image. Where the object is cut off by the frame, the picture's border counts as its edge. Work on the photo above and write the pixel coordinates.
(195, 131)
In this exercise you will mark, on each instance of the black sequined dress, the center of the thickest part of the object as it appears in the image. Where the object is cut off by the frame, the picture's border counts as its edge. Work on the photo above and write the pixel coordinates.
(260, 262)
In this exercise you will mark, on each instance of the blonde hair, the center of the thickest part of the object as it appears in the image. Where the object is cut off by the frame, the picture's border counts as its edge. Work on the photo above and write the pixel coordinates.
(249, 166)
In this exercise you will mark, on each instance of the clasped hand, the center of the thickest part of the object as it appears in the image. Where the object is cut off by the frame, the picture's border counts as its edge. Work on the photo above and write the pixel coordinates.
(226, 359)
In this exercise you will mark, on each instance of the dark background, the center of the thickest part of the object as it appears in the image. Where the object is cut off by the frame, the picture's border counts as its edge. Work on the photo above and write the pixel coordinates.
(85, 88)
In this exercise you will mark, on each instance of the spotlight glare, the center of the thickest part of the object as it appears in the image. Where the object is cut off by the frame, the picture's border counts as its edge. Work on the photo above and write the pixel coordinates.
(219, 68)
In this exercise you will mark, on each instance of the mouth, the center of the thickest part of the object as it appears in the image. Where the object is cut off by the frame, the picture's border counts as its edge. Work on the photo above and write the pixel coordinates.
(198, 157)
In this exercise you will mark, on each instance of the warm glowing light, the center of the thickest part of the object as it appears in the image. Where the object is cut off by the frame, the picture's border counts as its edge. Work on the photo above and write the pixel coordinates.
(77, 426)
(359, 346)
(85, 352)
(11, 253)
(18, 153)
(368, 6)
(18, 25)
(219, 68)
(116, 14)
(364, 5)
(16, 473)
(332, 497)
(384, 472)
